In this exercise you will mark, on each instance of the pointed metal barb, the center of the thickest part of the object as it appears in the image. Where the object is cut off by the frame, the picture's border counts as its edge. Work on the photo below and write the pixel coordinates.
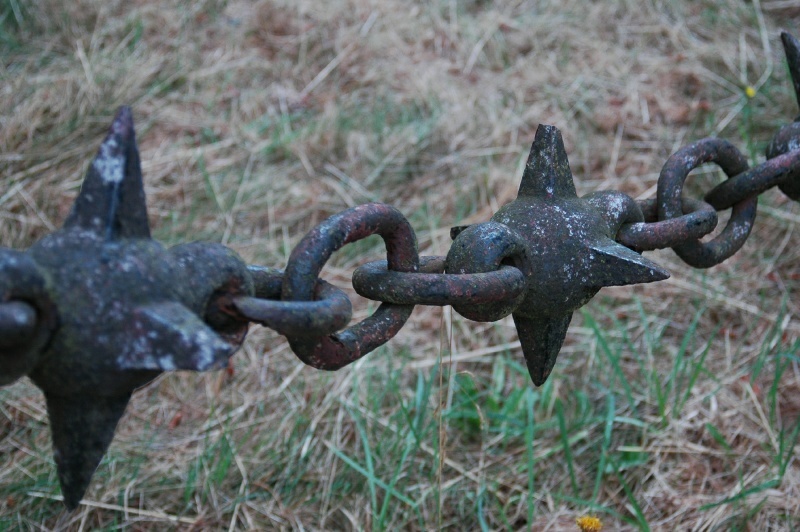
(570, 252)
(105, 309)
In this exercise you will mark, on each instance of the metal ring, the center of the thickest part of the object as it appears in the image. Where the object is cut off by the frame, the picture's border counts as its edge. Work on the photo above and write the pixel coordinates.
(670, 188)
(484, 248)
(306, 261)
(787, 139)
(699, 218)
(434, 287)
(329, 312)
(766, 175)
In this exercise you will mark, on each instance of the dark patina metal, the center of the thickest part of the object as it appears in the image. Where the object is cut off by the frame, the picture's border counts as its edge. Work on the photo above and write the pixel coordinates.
(699, 218)
(432, 286)
(570, 252)
(335, 351)
(98, 309)
(670, 197)
(113, 309)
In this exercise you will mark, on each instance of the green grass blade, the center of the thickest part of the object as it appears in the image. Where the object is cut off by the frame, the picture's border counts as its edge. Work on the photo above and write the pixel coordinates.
(370, 477)
(530, 431)
(743, 494)
(562, 427)
(608, 427)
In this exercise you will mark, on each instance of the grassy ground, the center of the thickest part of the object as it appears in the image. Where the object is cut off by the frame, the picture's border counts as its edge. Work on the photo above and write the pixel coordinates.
(673, 406)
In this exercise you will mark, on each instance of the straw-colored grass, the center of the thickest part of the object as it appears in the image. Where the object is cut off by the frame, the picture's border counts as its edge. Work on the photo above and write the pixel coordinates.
(674, 406)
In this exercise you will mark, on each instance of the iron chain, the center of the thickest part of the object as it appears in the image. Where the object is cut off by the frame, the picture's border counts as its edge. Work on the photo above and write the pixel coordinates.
(311, 313)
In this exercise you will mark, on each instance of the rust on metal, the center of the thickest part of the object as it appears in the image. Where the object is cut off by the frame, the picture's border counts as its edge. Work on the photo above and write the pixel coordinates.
(328, 312)
(699, 219)
(98, 309)
(783, 145)
(335, 351)
(570, 252)
(777, 170)
(670, 198)
(431, 286)
(500, 246)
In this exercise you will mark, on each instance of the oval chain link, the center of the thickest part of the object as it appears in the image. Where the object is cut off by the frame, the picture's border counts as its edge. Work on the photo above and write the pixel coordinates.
(336, 350)
(431, 286)
(670, 191)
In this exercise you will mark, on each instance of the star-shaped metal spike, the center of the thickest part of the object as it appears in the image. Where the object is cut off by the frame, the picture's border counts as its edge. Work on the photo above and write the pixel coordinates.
(570, 248)
(114, 309)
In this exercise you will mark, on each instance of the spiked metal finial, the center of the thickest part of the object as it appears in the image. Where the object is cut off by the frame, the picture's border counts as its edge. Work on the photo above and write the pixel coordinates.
(114, 309)
(571, 252)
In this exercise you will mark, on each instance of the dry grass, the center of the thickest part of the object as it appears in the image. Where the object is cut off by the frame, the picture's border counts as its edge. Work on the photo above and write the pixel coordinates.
(673, 406)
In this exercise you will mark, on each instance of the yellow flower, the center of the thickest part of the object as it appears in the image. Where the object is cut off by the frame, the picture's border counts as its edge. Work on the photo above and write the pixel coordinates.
(589, 523)
(750, 92)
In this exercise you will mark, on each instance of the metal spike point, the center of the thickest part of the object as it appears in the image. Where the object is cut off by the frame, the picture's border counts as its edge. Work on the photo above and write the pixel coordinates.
(616, 265)
(111, 202)
(547, 173)
(82, 428)
(168, 337)
(791, 47)
(541, 339)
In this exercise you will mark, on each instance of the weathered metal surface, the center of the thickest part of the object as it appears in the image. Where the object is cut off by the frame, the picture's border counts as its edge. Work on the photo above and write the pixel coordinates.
(483, 249)
(670, 197)
(115, 309)
(699, 219)
(569, 249)
(784, 146)
(791, 49)
(431, 286)
(28, 315)
(330, 311)
(779, 169)
(334, 351)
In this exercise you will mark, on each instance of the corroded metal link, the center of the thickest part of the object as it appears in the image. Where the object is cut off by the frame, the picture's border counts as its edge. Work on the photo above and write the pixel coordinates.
(761, 178)
(434, 287)
(670, 189)
(786, 140)
(330, 311)
(699, 219)
(306, 261)
(485, 248)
